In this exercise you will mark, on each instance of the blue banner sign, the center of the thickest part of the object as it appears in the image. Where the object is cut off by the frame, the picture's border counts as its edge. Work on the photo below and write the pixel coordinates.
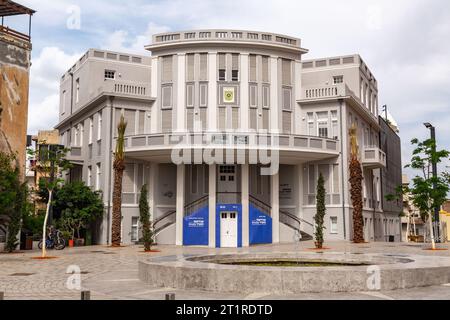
(196, 228)
(260, 227)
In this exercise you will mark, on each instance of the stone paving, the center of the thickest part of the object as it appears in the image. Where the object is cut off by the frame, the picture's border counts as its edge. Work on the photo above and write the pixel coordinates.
(112, 274)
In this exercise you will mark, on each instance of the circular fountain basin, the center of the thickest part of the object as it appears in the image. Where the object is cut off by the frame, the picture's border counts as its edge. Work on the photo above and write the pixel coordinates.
(291, 273)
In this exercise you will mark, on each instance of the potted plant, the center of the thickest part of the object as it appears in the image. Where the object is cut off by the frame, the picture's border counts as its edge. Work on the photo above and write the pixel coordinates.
(320, 213)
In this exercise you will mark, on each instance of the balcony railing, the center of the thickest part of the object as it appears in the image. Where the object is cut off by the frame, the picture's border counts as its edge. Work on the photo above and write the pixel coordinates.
(135, 89)
(373, 158)
(14, 33)
(231, 140)
(338, 90)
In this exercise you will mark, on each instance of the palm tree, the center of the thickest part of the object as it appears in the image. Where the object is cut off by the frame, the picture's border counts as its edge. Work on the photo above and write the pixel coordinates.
(119, 167)
(356, 179)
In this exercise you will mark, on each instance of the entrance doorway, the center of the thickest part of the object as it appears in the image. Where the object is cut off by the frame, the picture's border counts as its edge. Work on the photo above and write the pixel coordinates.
(227, 185)
(228, 229)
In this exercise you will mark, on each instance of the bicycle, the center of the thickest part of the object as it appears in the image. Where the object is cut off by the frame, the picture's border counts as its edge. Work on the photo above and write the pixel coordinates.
(55, 241)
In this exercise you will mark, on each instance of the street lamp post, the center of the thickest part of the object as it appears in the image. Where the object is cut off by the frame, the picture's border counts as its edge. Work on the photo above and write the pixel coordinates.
(434, 167)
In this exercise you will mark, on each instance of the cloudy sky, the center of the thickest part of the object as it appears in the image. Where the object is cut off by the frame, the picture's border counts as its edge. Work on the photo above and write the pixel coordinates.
(406, 44)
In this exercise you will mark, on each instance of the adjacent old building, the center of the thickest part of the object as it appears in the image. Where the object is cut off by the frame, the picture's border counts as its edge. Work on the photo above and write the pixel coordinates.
(230, 130)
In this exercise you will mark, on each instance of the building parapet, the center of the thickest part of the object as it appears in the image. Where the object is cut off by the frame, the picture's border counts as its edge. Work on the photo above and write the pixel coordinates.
(373, 158)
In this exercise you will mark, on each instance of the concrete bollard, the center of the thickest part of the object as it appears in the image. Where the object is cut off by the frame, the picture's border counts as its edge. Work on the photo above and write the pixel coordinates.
(170, 296)
(85, 295)
(2, 295)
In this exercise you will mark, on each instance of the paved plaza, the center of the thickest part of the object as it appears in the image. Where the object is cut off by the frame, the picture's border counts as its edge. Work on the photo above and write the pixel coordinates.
(112, 274)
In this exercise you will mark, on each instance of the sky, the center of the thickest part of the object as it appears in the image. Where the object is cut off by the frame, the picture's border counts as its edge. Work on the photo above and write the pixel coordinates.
(406, 44)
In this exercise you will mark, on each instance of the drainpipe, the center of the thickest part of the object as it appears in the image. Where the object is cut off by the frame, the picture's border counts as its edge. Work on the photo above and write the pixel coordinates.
(342, 167)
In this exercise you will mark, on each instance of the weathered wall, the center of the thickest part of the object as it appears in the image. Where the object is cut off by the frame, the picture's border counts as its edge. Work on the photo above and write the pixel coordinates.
(14, 88)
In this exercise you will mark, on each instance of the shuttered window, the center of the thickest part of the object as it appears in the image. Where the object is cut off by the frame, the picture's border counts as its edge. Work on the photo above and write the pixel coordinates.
(118, 114)
(253, 119)
(166, 97)
(311, 179)
(252, 64)
(128, 178)
(166, 122)
(253, 96)
(235, 115)
(265, 119)
(204, 118)
(222, 118)
(190, 89)
(235, 67)
(265, 69)
(203, 67)
(130, 118)
(141, 122)
(190, 119)
(190, 62)
(167, 69)
(203, 95)
(324, 169)
(287, 122)
(222, 67)
(286, 72)
(287, 99)
(336, 179)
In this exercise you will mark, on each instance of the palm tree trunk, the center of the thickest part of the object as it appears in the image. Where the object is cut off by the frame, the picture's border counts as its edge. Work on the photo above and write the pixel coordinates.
(116, 238)
(356, 179)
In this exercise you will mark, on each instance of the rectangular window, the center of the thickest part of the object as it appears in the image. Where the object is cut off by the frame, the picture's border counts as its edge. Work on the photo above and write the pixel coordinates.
(286, 72)
(312, 179)
(99, 126)
(266, 96)
(190, 62)
(81, 130)
(63, 104)
(128, 178)
(89, 177)
(235, 67)
(265, 69)
(77, 95)
(333, 225)
(203, 95)
(253, 96)
(134, 229)
(338, 79)
(334, 125)
(252, 63)
(222, 67)
(91, 129)
(130, 118)
(322, 124)
(190, 88)
(311, 131)
(167, 69)
(110, 74)
(287, 98)
(324, 169)
(166, 97)
(222, 74)
(98, 178)
(336, 179)
(235, 75)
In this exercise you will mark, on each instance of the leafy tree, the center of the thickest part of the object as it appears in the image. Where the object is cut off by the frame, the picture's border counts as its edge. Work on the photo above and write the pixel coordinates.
(51, 162)
(320, 212)
(427, 192)
(356, 180)
(13, 198)
(78, 205)
(119, 167)
(147, 228)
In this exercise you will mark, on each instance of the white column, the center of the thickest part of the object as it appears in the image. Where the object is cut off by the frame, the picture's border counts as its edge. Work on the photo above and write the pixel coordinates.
(298, 95)
(180, 204)
(245, 205)
(155, 85)
(212, 205)
(275, 185)
(181, 92)
(300, 191)
(274, 106)
(244, 91)
(212, 91)
(153, 171)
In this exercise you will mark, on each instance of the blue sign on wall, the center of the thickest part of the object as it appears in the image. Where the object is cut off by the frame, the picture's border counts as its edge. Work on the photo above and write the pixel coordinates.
(196, 228)
(229, 208)
(260, 227)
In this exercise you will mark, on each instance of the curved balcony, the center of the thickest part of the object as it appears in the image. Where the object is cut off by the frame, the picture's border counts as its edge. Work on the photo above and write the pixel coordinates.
(291, 148)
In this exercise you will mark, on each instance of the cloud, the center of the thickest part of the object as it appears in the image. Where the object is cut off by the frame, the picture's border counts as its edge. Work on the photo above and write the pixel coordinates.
(43, 115)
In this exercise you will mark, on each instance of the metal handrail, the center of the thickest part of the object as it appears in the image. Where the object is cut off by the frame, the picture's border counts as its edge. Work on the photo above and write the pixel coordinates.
(166, 215)
(299, 220)
(260, 204)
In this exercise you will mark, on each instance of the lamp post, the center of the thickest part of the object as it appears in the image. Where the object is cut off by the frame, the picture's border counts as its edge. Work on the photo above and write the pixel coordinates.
(434, 167)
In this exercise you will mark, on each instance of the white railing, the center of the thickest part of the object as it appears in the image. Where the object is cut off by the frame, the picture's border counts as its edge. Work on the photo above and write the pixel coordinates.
(339, 90)
(373, 157)
(126, 88)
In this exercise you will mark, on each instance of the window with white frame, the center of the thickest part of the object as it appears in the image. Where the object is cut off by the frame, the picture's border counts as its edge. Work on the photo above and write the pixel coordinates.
(266, 96)
(322, 124)
(99, 126)
(89, 177)
(77, 92)
(338, 79)
(253, 96)
(166, 97)
(336, 187)
(287, 99)
(98, 176)
(75, 136)
(333, 225)
(134, 229)
(91, 129)
(110, 74)
(222, 74)
(334, 125)
(203, 95)
(190, 88)
(63, 104)
(311, 179)
(81, 130)
(310, 119)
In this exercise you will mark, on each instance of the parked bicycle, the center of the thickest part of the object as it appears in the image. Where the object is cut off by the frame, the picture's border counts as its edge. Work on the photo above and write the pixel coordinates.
(55, 240)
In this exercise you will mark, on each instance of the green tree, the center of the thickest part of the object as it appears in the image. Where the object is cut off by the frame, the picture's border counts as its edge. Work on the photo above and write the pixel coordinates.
(51, 162)
(119, 167)
(78, 206)
(426, 191)
(320, 212)
(144, 217)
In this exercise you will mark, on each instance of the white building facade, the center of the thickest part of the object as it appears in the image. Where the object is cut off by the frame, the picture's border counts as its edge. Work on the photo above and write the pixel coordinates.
(229, 130)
